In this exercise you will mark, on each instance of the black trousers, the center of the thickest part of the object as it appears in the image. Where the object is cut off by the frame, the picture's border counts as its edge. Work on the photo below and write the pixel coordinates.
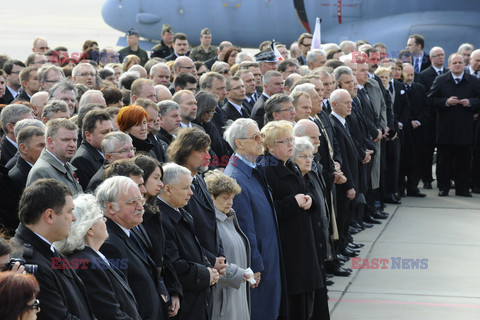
(454, 161)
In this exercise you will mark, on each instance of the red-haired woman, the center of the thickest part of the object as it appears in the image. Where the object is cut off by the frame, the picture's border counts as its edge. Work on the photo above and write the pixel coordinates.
(133, 121)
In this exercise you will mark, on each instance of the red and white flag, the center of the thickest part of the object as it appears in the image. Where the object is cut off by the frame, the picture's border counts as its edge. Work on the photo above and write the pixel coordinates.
(277, 54)
(316, 41)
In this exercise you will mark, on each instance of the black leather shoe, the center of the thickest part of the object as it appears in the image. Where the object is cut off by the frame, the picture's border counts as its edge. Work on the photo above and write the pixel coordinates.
(371, 220)
(417, 194)
(367, 225)
(352, 230)
(379, 215)
(357, 245)
(340, 272)
(342, 258)
(356, 225)
(427, 185)
(463, 194)
(349, 253)
(391, 199)
(442, 193)
(476, 190)
(329, 282)
(328, 275)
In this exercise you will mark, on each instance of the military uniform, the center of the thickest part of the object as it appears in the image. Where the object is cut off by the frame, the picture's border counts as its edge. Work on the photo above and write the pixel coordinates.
(198, 54)
(161, 50)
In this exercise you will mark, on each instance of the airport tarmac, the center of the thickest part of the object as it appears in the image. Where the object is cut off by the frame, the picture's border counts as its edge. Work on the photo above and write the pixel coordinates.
(445, 285)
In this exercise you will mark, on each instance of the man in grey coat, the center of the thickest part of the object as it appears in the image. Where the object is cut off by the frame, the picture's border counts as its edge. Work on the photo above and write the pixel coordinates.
(61, 145)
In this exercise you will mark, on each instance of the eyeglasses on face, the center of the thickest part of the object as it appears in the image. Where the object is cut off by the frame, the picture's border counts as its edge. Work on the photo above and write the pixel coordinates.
(86, 74)
(34, 306)
(257, 137)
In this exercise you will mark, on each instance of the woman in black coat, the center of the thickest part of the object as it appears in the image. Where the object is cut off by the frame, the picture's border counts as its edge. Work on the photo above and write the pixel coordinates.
(294, 207)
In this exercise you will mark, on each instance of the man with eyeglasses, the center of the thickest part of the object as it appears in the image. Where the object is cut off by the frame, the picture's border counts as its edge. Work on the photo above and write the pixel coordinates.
(304, 44)
(121, 201)
(12, 68)
(48, 76)
(279, 107)
(46, 214)
(116, 145)
(85, 74)
(40, 45)
(234, 107)
(257, 218)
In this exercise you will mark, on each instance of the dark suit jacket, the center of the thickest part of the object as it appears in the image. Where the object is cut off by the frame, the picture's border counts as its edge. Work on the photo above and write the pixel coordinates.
(107, 287)
(7, 97)
(141, 272)
(455, 123)
(189, 261)
(18, 174)
(417, 97)
(62, 293)
(427, 77)
(425, 62)
(97, 178)
(8, 209)
(350, 165)
(202, 210)
(258, 110)
(295, 226)
(209, 63)
(87, 160)
(232, 113)
(159, 148)
(401, 104)
(22, 96)
(8, 150)
(165, 136)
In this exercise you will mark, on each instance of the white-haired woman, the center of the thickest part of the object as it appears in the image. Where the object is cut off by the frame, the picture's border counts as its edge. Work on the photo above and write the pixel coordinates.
(109, 293)
(303, 157)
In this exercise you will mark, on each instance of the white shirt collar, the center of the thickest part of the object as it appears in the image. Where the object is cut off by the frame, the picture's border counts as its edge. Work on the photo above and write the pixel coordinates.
(12, 142)
(52, 248)
(183, 125)
(238, 107)
(127, 232)
(13, 92)
(459, 77)
(63, 163)
(158, 197)
(248, 163)
(342, 121)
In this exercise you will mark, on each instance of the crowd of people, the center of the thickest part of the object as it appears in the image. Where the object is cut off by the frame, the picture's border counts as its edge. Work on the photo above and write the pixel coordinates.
(208, 183)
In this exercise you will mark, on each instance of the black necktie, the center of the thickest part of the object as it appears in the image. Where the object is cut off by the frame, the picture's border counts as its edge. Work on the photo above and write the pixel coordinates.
(390, 88)
(137, 244)
(197, 189)
(476, 74)
(439, 72)
(457, 80)
(348, 130)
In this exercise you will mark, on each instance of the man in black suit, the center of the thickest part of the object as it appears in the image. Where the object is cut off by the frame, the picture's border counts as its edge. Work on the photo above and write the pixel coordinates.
(170, 118)
(416, 44)
(46, 214)
(9, 117)
(249, 82)
(456, 97)
(272, 84)
(222, 48)
(12, 68)
(179, 45)
(194, 270)
(89, 158)
(304, 44)
(31, 142)
(346, 193)
(234, 107)
(426, 78)
(414, 128)
(190, 149)
(124, 211)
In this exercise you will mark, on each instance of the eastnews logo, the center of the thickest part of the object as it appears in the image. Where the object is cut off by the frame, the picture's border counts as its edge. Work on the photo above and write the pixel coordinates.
(97, 263)
(394, 263)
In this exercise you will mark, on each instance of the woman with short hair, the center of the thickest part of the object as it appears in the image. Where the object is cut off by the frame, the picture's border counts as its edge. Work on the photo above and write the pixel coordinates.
(230, 295)
(294, 207)
(133, 121)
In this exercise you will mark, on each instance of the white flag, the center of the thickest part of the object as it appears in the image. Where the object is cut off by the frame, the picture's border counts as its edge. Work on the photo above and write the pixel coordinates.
(316, 41)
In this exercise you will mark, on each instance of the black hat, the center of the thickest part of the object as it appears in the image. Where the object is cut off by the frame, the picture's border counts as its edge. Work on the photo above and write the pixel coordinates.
(132, 32)
(266, 56)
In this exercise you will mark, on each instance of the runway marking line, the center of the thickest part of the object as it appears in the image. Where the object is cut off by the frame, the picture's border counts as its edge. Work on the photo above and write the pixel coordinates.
(434, 304)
